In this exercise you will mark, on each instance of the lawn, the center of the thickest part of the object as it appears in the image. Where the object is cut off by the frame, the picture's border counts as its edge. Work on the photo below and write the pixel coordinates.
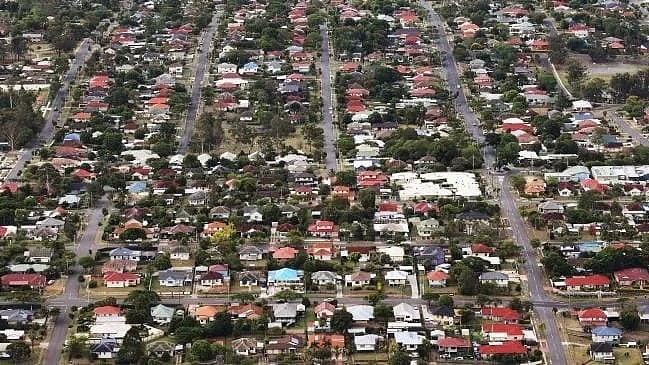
(627, 356)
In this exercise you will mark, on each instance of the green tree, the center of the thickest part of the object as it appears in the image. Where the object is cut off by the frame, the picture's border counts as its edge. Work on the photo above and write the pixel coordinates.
(630, 319)
(132, 234)
(162, 262)
(576, 72)
(518, 182)
(87, 262)
(346, 177)
(19, 351)
(132, 348)
(399, 357)
(221, 326)
(341, 321)
(383, 312)
(202, 350)
(445, 300)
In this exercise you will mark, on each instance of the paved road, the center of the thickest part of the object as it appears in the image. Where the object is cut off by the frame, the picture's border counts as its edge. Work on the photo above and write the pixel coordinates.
(629, 129)
(47, 132)
(70, 296)
(327, 103)
(192, 109)
(544, 59)
(535, 279)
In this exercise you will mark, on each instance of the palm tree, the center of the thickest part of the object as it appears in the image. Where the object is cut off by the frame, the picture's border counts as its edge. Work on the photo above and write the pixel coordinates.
(18, 47)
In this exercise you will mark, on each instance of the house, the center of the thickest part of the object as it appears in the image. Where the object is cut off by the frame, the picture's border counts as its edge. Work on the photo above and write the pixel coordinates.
(174, 278)
(105, 349)
(437, 278)
(179, 253)
(198, 198)
(285, 277)
(288, 344)
(550, 207)
(250, 253)
(409, 341)
(443, 315)
(504, 348)
(453, 345)
(246, 311)
(213, 227)
(363, 252)
(494, 277)
(39, 255)
(16, 316)
(404, 312)
(636, 276)
(34, 281)
(358, 279)
(162, 314)
(606, 334)
(108, 313)
(324, 278)
(121, 280)
(162, 349)
(286, 313)
(588, 283)
(366, 342)
(396, 277)
(323, 229)
(503, 332)
(500, 314)
(429, 255)
(212, 279)
(285, 253)
(252, 213)
(592, 317)
(324, 310)
(252, 278)
(361, 313)
(481, 250)
(220, 212)
(50, 223)
(323, 251)
(247, 346)
(601, 351)
(123, 253)
(428, 227)
(396, 253)
(206, 313)
(119, 266)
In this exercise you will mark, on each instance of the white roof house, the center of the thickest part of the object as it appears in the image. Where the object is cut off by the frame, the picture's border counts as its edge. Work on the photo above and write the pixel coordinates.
(396, 253)
(396, 275)
(581, 105)
(406, 312)
(441, 184)
(361, 312)
(409, 340)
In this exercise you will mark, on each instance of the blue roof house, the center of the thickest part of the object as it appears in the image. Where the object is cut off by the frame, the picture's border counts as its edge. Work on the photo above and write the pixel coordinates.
(606, 334)
(250, 67)
(285, 277)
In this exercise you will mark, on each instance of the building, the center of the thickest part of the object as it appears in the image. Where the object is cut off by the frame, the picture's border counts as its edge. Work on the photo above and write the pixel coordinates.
(503, 332)
(500, 314)
(285, 278)
(592, 318)
(361, 313)
(162, 314)
(606, 334)
(494, 277)
(454, 346)
(504, 348)
(601, 351)
(396, 277)
(121, 280)
(358, 279)
(635, 276)
(437, 278)
(405, 312)
(366, 342)
(588, 283)
(409, 341)
(33, 281)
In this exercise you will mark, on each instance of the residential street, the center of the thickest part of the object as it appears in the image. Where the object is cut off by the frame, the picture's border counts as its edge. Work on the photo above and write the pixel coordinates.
(70, 296)
(327, 102)
(203, 58)
(48, 126)
(627, 128)
(556, 352)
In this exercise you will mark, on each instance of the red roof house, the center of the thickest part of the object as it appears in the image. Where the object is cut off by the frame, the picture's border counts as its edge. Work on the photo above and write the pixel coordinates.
(323, 229)
(632, 276)
(592, 317)
(34, 281)
(590, 282)
(500, 314)
(506, 348)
